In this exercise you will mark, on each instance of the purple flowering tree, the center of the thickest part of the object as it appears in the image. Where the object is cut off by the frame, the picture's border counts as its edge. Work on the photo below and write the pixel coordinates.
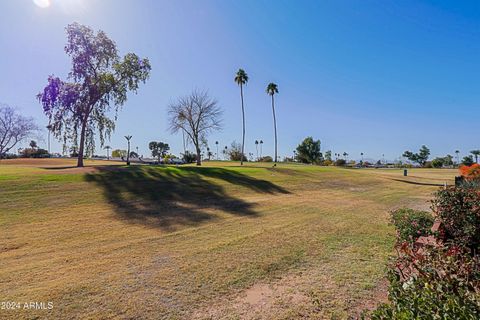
(96, 87)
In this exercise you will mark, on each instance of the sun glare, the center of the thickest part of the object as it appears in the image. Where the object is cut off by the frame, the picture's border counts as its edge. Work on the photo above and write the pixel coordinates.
(42, 3)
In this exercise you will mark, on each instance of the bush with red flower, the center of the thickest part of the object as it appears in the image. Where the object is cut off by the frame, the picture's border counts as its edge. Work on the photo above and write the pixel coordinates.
(470, 172)
(438, 279)
(458, 209)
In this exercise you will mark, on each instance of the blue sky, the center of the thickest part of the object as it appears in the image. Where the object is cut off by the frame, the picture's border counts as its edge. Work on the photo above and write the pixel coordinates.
(378, 77)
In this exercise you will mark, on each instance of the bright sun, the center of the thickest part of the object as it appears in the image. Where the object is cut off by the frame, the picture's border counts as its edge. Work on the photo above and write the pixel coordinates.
(42, 3)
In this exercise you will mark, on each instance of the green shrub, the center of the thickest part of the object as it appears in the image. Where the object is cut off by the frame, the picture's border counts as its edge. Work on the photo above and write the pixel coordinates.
(440, 283)
(411, 224)
(428, 164)
(438, 162)
(458, 208)
(235, 152)
(34, 153)
(266, 159)
(189, 157)
(327, 162)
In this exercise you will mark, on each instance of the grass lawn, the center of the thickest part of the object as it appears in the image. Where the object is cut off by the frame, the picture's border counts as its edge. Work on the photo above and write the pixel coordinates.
(219, 241)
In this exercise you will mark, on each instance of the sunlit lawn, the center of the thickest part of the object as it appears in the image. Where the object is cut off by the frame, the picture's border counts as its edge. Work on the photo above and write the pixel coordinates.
(220, 241)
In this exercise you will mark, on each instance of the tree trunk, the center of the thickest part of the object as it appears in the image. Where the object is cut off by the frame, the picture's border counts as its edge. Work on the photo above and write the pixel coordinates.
(275, 128)
(128, 153)
(184, 145)
(82, 143)
(199, 160)
(243, 131)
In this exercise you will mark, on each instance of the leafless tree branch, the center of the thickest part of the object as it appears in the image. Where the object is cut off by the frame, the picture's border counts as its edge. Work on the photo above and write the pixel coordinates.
(197, 115)
(14, 128)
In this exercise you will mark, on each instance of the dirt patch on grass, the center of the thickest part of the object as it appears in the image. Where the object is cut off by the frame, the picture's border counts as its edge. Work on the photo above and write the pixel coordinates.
(260, 301)
(378, 296)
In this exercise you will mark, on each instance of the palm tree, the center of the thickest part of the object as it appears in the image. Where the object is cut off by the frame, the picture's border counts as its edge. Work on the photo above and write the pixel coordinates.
(457, 152)
(128, 150)
(256, 147)
(108, 151)
(361, 153)
(241, 79)
(261, 144)
(216, 143)
(225, 152)
(272, 88)
(345, 156)
(475, 153)
(208, 153)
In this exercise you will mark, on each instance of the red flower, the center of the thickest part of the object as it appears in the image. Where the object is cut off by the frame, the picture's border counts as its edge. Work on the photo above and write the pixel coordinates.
(470, 172)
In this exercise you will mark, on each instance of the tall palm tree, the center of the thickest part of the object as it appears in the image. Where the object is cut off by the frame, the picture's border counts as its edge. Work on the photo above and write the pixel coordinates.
(225, 152)
(475, 153)
(256, 147)
(361, 153)
(216, 143)
(457, 152)
(345, 155)
(261, 144)
(241, 78)
(272, 88)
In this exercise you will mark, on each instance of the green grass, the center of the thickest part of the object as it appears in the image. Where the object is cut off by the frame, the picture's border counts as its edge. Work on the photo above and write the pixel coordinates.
(188, 242)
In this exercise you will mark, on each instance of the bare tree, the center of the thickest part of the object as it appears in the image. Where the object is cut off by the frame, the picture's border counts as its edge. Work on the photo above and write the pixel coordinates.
(197, 115)
(14, 128)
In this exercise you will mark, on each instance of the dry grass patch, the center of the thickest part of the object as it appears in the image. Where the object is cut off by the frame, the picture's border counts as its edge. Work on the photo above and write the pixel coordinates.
(181, 242)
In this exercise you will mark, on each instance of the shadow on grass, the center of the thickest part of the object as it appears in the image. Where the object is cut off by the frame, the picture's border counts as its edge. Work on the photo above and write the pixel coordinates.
(419, 183)
(172, 197)
(237, 178)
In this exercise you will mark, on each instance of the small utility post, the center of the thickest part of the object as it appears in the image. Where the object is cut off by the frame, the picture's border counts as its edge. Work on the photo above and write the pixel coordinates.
(128, 149)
